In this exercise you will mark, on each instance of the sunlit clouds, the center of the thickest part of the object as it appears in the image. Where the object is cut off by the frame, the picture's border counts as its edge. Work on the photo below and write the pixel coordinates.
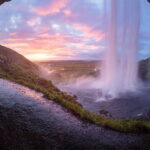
(57, 29)
(54, 6)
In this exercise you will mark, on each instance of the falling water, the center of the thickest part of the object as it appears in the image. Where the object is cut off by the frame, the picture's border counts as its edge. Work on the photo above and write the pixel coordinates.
(120, 64)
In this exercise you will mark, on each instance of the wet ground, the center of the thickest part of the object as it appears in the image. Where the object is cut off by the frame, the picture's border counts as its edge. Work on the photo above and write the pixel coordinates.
(127, 106)
(30, 122)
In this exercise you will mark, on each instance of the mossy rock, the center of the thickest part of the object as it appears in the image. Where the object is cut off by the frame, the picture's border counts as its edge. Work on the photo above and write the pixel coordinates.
(104, 112)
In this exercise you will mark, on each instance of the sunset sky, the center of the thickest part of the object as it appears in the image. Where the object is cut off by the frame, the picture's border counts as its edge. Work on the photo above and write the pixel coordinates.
(61, 29)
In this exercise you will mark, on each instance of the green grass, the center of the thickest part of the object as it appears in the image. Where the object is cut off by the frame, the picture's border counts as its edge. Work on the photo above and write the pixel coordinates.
(23, 72)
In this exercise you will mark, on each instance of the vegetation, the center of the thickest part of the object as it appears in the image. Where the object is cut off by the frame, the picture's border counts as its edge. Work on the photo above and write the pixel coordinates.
(65, 71)
(103, 112)
(16, 68)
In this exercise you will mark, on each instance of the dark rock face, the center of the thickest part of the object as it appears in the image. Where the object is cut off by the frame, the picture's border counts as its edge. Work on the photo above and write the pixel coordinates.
(144, 69)
(2, 1)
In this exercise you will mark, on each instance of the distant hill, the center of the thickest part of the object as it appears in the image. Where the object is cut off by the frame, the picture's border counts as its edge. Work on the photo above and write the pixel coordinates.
(9, 56)
(65, 71)
(12, 64)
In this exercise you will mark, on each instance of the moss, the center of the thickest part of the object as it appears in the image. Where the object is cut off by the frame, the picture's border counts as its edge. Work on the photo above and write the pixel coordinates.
(103, 112)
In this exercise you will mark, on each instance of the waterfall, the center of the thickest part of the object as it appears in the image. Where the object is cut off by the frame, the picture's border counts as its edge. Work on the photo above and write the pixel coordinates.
(119, 72)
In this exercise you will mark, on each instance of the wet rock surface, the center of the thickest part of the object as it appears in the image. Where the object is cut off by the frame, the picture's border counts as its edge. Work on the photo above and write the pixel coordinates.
(128, 106)
(30, 122)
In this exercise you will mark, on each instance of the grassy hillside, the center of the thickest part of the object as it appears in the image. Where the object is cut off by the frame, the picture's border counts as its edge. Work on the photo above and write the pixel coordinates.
(16, 68)
(11, 59)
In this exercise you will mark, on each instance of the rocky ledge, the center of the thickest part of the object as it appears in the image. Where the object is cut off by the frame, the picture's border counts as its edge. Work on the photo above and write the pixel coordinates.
(2, 1)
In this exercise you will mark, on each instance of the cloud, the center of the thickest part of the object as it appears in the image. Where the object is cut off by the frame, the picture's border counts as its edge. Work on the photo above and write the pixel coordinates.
(67, 12)
(61, 29)
(54, 7)
(34, 21)
(90, 32)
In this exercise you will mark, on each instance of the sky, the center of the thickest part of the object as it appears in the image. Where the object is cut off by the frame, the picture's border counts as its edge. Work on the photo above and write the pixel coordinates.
(62, 29)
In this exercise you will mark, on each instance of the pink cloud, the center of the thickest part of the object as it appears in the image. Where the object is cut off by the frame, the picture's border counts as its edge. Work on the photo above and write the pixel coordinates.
(67, 12)
(40, 46)
(44, 45)
(34, 21)
(54, 7)
(89, 32)
(84, 46)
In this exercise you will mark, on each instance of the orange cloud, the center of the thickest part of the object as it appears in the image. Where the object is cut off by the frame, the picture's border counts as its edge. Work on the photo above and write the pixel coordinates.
(14, 45)
(34, 21)
(43, 46)
(39, 56)
(18, 39)
(67, 12)
(53, 53)
(52, 8)
(13, 34)
(89, 32)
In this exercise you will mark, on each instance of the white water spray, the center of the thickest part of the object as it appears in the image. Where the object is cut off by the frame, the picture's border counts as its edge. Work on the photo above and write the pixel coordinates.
(120, 64)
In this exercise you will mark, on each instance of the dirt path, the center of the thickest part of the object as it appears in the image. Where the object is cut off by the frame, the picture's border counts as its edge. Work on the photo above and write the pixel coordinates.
(30, 122)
